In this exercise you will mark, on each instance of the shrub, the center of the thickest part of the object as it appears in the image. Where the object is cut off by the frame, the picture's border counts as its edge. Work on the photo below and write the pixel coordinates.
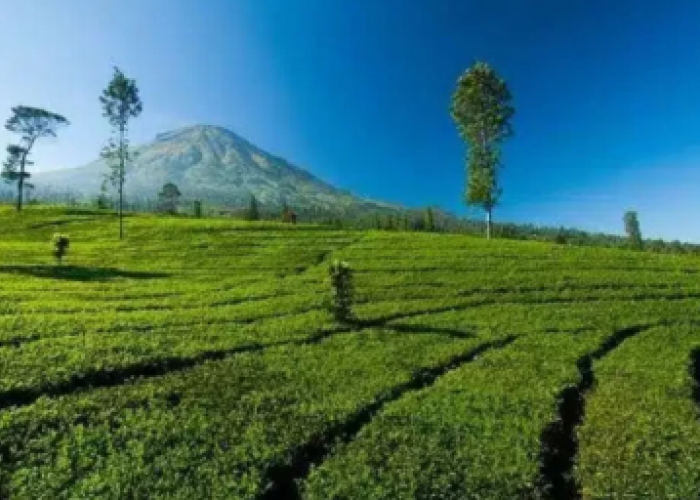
(60, 244)
(340, 275)
(198, 209)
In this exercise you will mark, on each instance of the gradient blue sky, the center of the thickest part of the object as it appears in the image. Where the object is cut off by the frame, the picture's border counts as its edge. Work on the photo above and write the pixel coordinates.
(607, 92)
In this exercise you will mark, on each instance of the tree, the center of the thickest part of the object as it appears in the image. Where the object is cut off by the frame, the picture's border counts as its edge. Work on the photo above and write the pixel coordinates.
(341, 278)
(102, 199)
(120, 102)
(634, 234)
(482, 112)
(32, 124)
(60, 244)
(429, 220)
(253, 211)
(560, 236)
(168, 197)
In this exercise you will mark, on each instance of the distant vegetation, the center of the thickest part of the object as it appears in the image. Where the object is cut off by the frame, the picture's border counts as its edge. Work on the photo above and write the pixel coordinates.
(633, 231)
(168, 197)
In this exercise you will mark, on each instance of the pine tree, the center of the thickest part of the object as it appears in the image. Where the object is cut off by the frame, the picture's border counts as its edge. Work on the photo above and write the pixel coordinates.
(120, 102)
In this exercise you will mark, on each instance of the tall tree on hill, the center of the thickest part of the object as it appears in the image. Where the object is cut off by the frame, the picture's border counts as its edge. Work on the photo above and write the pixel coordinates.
(634, 234)
(253, 210)
(168, 198)
(482, 111)
(32, 124)
(120, 102)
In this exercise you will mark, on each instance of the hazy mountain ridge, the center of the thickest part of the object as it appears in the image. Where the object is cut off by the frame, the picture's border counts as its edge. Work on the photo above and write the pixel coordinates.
(215, 165)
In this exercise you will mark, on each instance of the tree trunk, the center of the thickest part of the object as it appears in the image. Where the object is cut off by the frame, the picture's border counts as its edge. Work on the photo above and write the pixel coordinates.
(122, 166)
(489, 223)
(20, 189)
(121, 211)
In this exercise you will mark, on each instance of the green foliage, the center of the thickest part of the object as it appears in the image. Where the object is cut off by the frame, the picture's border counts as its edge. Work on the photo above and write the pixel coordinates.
(141, 370)
(102, 200)
(198, 209)
(640, 437)
(168, 198)
(59, 246)
(253, 210)
(34, 123)
(473, 434)
(482, 111)
(11, 166)
(429, 220)
(31, 124)
(120, 103)
(560, 237)
(634, 234)
(289, 216)
(342, 290)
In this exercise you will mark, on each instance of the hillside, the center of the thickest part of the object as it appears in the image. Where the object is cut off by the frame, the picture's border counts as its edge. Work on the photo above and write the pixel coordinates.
(212, 164)
(196, 359)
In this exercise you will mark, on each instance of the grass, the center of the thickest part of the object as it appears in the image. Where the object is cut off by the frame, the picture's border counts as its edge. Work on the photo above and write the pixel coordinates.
(196, 359)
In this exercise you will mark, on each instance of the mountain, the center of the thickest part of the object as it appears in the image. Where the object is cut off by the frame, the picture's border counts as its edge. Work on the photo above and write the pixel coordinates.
(212, 164)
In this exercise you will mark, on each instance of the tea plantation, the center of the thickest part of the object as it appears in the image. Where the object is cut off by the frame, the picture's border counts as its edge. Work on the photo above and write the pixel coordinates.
(198, 359)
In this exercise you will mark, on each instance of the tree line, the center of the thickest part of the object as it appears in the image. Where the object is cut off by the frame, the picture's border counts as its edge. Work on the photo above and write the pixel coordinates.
(481, 108)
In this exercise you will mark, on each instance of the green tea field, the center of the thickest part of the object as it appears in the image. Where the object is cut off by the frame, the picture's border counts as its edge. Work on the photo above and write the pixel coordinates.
(196, 359)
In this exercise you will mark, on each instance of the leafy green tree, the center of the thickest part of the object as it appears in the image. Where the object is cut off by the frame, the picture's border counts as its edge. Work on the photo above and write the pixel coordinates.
(253, 210)
(634, 234)
(120, 102)
(198, 209)
(482, 111)
(560, 236)
(168, 198)
(31, 124)
(429, 220)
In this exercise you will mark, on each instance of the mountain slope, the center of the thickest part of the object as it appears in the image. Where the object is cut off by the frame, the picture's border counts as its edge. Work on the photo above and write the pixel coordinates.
(212, 164)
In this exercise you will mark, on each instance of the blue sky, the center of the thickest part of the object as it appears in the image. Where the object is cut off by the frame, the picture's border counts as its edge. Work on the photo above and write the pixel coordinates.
(607, 92)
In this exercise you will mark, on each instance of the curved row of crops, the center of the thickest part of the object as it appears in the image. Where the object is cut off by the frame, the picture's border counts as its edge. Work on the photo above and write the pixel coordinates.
(197, 359)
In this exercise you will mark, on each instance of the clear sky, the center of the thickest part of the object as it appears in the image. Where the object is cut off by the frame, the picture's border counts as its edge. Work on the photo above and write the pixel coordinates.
(607, 92)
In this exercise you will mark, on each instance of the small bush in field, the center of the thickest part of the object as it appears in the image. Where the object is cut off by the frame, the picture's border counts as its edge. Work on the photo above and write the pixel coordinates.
(340, 275)
(60, 244)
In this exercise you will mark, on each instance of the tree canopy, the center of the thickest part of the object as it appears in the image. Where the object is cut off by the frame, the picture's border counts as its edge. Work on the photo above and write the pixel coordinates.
(482, 111)
(31, 124)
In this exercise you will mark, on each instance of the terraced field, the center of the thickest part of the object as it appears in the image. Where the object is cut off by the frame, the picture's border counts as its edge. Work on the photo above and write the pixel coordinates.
(197, 360)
